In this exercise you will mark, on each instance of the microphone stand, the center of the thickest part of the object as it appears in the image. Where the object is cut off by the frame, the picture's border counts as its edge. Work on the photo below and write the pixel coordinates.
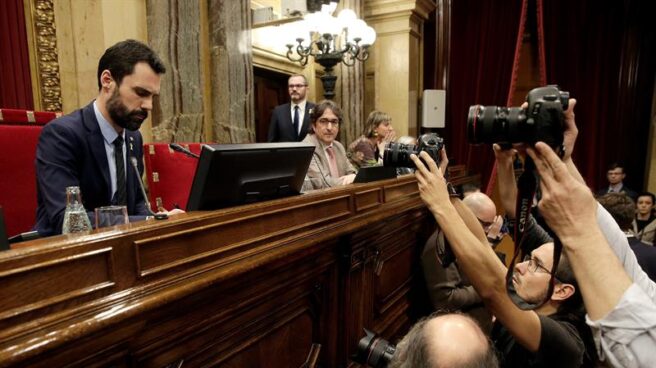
(179, 148)
(157, 216)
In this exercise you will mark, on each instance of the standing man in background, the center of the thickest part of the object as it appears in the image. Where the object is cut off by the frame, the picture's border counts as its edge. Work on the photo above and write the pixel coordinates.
(290, 122)
(615, 176)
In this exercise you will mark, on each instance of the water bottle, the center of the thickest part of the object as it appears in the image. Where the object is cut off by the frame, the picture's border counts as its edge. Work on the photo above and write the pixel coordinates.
(75, 216)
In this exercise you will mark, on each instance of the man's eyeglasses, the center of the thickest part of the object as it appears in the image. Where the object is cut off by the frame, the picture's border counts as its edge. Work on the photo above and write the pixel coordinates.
(325, 122)
(292, 86)
(534, 265)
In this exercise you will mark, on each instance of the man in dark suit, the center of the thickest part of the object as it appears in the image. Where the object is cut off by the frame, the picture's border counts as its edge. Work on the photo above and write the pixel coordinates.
(290, 122)
(615, 176)
(92, 147)
(623, 209)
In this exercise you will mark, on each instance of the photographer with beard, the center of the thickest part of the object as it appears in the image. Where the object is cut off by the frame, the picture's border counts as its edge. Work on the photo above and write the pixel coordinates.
(91, 148)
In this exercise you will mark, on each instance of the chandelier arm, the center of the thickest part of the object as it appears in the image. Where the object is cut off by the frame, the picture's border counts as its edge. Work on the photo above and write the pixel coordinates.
(345, 59)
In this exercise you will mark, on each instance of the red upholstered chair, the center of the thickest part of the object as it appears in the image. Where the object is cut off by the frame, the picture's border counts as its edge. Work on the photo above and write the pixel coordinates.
(19, 134)
(169, 174)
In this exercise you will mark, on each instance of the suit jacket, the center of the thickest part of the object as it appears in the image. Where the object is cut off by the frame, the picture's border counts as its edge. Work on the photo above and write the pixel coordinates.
(448, 290)
(281, 127)
(646, 256)
(71, 152)
(319, 170)
(624, 189)
(646, 235)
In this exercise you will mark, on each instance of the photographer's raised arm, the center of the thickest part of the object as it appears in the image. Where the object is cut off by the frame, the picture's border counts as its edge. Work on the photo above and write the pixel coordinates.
(475, 257)
(506, 179)
(571, 211)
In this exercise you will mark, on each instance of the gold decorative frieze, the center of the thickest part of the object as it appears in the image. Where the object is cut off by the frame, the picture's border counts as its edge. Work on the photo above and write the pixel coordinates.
(44, 62)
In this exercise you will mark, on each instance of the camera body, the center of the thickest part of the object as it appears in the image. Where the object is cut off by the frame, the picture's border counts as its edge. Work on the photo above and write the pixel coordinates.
(542, 120)
(398, 154)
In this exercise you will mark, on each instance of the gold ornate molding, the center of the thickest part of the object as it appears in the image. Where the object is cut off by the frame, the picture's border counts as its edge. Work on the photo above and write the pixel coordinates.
(44, 62)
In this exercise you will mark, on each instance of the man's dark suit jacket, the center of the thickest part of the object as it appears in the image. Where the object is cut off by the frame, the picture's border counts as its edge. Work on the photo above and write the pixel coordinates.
(71, 152)
(646, 256)
(632, 194)
(281, 128)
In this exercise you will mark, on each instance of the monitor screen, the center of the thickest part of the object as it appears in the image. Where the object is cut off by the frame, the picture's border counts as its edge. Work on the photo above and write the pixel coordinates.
(233, 174)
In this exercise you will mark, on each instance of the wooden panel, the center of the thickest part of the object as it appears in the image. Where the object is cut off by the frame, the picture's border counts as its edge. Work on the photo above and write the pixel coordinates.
(254, 285)
(368, 199)
(54, 281)
(236, 237)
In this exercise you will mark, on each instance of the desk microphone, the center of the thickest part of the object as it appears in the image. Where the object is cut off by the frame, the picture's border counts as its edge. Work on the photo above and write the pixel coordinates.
(179, 148)
(157, 216)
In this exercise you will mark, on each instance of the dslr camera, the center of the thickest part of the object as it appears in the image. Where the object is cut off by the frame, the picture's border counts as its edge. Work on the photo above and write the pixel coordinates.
(398, 154)
(374, 351)
(542, 120)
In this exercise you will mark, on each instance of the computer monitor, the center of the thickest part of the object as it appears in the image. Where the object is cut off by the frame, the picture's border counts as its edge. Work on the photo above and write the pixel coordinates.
(233, 174)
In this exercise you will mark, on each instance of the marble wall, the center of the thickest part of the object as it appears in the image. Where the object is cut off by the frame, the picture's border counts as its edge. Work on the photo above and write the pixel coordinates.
(207, 91)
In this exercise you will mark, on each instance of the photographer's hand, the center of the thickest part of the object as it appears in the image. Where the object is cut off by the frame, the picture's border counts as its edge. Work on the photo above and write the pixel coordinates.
(571, 131)
(571, 211)
(568, 205)
(431, 182)
(444, 160)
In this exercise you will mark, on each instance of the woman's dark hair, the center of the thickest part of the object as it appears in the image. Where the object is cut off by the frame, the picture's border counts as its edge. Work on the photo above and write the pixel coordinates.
(121, 58)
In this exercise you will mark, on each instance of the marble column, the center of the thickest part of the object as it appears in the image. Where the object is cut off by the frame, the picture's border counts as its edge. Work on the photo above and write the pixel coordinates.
(349, 93)
(395, 76)
(231, 61)
(206, 94)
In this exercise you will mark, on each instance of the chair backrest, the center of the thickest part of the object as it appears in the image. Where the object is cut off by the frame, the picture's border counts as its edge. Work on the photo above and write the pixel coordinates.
(169, 174)
(19, 134)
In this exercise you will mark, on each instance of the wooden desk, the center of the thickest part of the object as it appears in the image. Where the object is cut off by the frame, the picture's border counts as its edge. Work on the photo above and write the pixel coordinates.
(249, 286)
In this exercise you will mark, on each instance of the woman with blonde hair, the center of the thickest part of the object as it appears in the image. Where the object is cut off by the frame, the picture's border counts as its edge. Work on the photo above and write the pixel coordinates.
(368, 149)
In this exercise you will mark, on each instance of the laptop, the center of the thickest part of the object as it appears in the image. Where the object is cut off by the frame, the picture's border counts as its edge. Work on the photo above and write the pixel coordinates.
(374, 173)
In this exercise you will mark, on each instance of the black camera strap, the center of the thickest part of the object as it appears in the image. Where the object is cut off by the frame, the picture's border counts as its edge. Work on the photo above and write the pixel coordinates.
(526, 187)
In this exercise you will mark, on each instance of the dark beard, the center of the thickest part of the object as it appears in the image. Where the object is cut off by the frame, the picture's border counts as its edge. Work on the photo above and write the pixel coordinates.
(130, 120)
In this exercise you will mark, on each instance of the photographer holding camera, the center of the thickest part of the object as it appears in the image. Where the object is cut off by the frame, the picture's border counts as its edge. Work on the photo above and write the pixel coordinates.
(554, 334)
(524, 338)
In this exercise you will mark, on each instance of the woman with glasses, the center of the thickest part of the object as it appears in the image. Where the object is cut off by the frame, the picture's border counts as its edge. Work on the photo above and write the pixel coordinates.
(329, 166)
(368, 149)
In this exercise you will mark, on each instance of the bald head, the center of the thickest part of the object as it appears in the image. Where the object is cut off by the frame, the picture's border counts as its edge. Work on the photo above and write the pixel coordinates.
(481, 205)
(457, 340)
(450, 340)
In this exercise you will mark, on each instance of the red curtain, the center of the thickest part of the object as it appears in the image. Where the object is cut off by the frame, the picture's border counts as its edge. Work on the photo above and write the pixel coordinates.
(15, 82)
(483, 47)
(604, 56)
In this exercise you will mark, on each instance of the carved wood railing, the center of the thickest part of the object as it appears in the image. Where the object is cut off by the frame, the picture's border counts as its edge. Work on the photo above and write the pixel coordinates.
(254, 285)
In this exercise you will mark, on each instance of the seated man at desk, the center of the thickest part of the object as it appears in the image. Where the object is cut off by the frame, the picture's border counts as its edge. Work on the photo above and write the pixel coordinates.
(91, 147)
(329, 166)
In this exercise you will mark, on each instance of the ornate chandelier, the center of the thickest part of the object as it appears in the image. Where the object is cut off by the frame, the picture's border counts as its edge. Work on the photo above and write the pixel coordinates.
(330, 40)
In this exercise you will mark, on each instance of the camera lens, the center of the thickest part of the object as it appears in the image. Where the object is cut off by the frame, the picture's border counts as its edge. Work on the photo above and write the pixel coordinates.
(398, 155)
(374, 351)
(493, 124)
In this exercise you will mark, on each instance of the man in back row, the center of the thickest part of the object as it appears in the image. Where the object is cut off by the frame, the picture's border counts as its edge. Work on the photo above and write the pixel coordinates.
(290, 122)
(91, 147)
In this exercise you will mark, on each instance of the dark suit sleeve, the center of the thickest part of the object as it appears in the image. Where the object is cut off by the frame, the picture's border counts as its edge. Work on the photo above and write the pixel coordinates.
(273, 127)
(56, 169)
(445, 286)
